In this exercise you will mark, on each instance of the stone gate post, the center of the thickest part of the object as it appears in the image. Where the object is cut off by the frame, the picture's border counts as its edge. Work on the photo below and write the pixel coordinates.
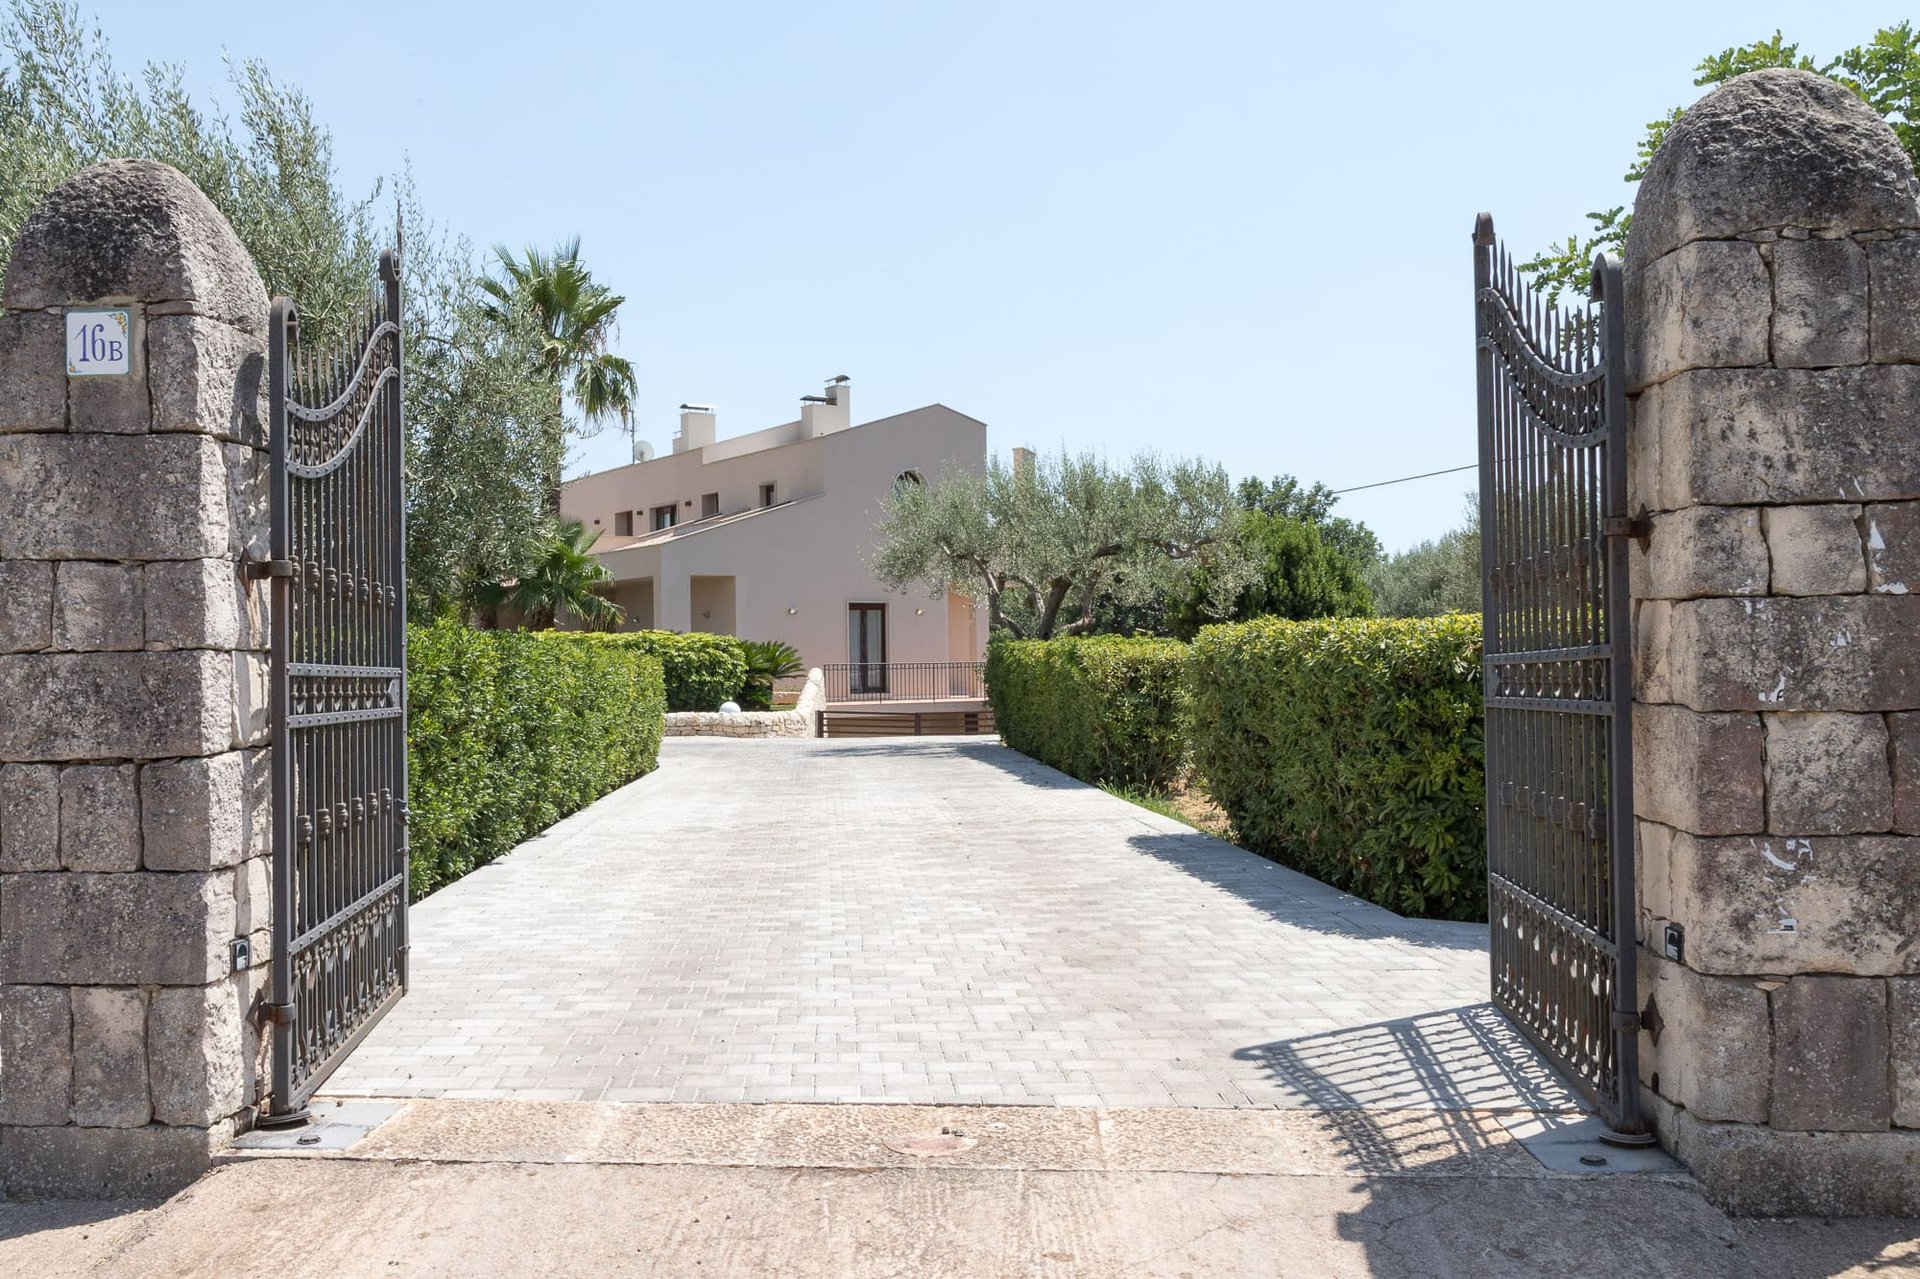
(133, 823)
(1773, 290)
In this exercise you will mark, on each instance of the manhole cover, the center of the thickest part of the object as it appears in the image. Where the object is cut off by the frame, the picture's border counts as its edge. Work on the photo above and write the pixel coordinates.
(929, 1144)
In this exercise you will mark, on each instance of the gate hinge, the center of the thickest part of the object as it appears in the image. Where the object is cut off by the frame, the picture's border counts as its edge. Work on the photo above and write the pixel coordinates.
(1638, 527)
(277, 1014)
(257, 569)
(1626, 1022)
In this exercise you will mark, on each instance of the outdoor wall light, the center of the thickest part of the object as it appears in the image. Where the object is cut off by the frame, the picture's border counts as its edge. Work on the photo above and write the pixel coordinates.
(792, 611)
(919, 612)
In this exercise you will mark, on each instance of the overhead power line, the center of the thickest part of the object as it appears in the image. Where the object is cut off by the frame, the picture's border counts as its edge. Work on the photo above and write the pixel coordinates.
(1380, 484)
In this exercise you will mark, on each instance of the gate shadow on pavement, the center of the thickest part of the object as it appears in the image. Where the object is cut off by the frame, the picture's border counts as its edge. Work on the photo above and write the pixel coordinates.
(1409, 1090)
(1414, 1105)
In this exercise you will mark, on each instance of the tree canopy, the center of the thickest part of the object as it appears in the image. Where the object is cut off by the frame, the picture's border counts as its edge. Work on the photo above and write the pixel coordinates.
(575, 315)
(1283, 496)
(1435, 577)
(65, 105)
(1302, 561)
(1294, 573)
(562, 579)
(486, 442)
(1885, 72)
(1044, 544)
(483, 440)
(554, 299)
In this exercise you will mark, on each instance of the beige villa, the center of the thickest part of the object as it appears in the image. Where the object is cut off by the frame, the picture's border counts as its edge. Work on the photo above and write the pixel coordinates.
(767, 535)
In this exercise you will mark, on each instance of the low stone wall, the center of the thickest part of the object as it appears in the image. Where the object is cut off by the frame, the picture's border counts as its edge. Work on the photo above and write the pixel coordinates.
(798, 722)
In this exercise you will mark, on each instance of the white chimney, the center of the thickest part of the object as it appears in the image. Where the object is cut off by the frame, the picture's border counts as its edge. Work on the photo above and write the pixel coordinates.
(825, 414)
(696, 427)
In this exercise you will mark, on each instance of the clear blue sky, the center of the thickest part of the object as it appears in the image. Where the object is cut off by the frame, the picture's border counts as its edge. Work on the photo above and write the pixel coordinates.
(1236, 230)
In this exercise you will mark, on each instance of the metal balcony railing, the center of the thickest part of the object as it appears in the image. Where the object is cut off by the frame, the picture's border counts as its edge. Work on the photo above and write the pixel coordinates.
(904, 681)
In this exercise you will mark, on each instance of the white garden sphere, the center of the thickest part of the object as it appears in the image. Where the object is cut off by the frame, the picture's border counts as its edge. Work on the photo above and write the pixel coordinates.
(729, 708)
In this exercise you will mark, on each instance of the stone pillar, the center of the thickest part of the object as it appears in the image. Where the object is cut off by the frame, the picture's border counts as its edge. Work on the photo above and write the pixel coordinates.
(133, 802)
(1773, 291)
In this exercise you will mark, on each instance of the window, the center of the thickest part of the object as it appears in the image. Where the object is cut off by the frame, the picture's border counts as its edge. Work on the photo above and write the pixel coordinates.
(907, 479)
(665, 516)
(623, 523)
(766, 494)
(709, 505)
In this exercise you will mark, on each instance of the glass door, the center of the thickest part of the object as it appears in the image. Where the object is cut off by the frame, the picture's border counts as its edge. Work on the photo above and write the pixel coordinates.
(867, 648)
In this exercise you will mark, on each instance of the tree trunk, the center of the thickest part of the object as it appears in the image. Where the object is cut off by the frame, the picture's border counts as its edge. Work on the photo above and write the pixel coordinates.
(560, 451)
(1056, 595)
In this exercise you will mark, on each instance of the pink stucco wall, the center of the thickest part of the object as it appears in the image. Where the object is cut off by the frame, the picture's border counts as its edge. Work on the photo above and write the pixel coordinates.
(795, 566)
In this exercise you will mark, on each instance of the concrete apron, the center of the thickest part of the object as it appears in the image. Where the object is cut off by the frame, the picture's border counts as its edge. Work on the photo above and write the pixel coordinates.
(1223, 1142)
(459, 1187)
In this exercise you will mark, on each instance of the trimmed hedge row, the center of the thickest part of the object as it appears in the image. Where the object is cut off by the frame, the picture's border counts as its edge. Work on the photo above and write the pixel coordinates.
(1351, 749)
(1347, 748)
(510, 731)
(1101, 708)
(701, 670)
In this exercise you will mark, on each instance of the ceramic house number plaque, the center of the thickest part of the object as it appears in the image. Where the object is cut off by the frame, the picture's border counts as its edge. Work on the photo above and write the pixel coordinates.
(99, 343)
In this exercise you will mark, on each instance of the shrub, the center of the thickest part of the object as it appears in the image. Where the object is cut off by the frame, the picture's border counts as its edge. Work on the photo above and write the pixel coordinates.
(701, 670)
(767, 662)
(1351, 749)
(1101, 708)
(510, 731)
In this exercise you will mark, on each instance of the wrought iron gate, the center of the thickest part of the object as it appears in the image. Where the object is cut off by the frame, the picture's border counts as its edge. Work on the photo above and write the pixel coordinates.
(1559, 674)
(339, 691)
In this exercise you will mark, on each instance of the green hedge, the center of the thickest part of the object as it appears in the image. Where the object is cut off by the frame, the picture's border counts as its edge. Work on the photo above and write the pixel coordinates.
(510, 731)
(1351, 749)
(702, 670)
(1100, 708)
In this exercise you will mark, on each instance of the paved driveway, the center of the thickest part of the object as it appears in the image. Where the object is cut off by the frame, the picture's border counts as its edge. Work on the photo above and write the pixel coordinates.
(926, 920)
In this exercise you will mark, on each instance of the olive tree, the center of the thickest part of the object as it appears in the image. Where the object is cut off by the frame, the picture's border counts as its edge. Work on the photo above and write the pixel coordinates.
(64, 104)
(1438, 576)
(1044, 544)
(486, 433)
(484, 437)
(1884, 72)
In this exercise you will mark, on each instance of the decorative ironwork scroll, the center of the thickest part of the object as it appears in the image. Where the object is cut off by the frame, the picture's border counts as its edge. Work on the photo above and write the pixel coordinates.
(1559, 675)
(339, 691)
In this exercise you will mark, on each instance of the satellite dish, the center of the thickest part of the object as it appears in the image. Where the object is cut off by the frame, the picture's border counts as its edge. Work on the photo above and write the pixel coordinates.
(642, 451)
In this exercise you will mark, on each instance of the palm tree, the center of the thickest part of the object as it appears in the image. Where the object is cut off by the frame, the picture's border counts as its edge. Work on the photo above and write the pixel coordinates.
(564, 577)
(575, 316)
(767, 662)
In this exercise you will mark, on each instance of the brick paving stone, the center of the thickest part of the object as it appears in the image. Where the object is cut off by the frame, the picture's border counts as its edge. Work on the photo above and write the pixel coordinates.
(928, 920)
